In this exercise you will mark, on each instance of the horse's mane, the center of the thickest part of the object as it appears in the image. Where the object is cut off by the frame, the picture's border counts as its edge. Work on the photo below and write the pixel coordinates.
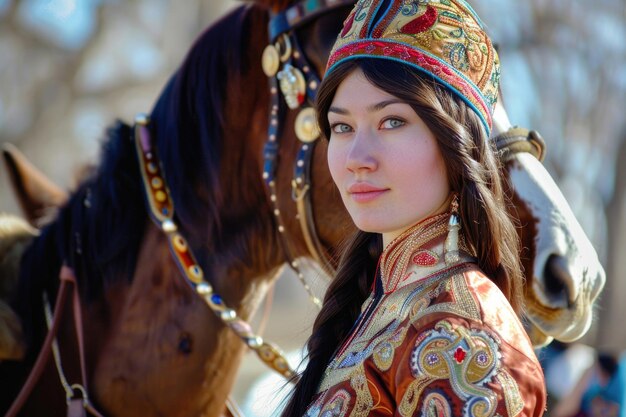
(99, 231)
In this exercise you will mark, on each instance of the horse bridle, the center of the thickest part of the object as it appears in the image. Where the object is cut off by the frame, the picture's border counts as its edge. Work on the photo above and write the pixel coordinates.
(519, 140)
(298, 83)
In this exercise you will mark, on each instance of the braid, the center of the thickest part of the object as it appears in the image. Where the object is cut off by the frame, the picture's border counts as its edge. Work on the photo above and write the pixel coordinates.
(341, 308)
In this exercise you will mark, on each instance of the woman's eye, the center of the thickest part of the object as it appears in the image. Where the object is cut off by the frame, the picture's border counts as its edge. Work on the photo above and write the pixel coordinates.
(340, 128)
(392, 123)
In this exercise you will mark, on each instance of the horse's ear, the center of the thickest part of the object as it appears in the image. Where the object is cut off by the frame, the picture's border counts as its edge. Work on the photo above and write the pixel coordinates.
(36, 194)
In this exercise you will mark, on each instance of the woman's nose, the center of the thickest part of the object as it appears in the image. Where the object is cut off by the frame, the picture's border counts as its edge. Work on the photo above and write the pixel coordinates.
(361, 155)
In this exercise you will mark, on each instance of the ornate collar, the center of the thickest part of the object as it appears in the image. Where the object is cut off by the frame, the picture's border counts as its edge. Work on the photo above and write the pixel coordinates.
(416, 254)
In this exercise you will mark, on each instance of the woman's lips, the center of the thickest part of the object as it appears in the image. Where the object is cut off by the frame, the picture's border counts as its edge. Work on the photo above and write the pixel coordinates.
(361, 192)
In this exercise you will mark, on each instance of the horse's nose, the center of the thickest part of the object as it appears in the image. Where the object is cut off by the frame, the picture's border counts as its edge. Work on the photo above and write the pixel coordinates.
(558, 282)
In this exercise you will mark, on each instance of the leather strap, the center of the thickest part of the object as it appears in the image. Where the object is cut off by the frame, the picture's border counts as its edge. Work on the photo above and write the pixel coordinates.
(519, 139)
(300, 13)
(300, 188)
(44, 353)
(161, 209)
(77, 407)
(67, 274)
(73, 409)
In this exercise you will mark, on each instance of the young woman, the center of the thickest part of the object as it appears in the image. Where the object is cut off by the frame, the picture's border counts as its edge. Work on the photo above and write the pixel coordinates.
(422, 317)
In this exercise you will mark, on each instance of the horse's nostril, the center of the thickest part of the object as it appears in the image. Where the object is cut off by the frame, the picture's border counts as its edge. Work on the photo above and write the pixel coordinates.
(557, 279)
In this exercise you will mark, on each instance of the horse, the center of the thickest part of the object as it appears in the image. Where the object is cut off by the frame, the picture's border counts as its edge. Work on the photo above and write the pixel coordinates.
(151, 344)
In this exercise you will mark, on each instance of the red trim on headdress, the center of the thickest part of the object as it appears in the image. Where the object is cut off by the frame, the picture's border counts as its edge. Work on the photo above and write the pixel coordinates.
(430, 64)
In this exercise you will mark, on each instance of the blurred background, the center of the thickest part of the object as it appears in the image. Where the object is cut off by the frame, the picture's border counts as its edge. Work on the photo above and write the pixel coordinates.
(68, 68)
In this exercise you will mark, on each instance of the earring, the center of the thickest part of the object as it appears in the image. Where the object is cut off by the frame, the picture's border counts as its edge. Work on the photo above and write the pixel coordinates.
(451, 247)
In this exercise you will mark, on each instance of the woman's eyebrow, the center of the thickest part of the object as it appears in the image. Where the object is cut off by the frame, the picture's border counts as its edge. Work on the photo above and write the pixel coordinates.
(379, 106)
(338, 110)
(370, 109)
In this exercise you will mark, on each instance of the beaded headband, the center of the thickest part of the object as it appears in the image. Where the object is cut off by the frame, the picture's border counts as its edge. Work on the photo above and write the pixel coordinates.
(444, 39)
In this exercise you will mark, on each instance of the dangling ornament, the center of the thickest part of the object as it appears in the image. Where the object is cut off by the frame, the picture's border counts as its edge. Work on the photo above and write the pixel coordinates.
(451, 247)
(292, 84)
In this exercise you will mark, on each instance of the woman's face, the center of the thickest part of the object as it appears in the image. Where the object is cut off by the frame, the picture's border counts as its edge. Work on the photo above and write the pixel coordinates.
(384, 159)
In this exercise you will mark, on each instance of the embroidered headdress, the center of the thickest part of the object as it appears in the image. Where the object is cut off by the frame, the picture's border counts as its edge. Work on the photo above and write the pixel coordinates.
(444, 39)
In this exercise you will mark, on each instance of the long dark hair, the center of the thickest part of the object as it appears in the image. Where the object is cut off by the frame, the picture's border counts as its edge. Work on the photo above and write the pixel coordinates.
(474, 173)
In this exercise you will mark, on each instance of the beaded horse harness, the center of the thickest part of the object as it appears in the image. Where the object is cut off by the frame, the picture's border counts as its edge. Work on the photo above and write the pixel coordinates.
(162, 214)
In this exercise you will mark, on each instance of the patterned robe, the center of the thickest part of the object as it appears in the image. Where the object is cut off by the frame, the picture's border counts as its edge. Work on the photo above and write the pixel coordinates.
(432, 340)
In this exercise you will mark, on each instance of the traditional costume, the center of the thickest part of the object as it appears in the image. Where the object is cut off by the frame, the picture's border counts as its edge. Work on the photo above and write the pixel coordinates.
(433, 339)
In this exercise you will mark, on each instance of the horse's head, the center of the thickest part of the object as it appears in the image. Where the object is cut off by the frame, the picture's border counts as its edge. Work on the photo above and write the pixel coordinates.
(563, 274)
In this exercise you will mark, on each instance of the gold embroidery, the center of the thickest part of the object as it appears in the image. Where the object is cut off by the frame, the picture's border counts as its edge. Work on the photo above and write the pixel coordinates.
(397, 256)
(338, 404)
(467, 358)
(464, 359)
(389, 318)
(383, 355)
(412, 395)
(384, 351)
(364, 402)
(510, 390)
(463, 305)
(385, 329)
(343, 366)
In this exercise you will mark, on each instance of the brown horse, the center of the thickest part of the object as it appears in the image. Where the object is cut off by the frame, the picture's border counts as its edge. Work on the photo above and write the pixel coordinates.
(152, 346)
